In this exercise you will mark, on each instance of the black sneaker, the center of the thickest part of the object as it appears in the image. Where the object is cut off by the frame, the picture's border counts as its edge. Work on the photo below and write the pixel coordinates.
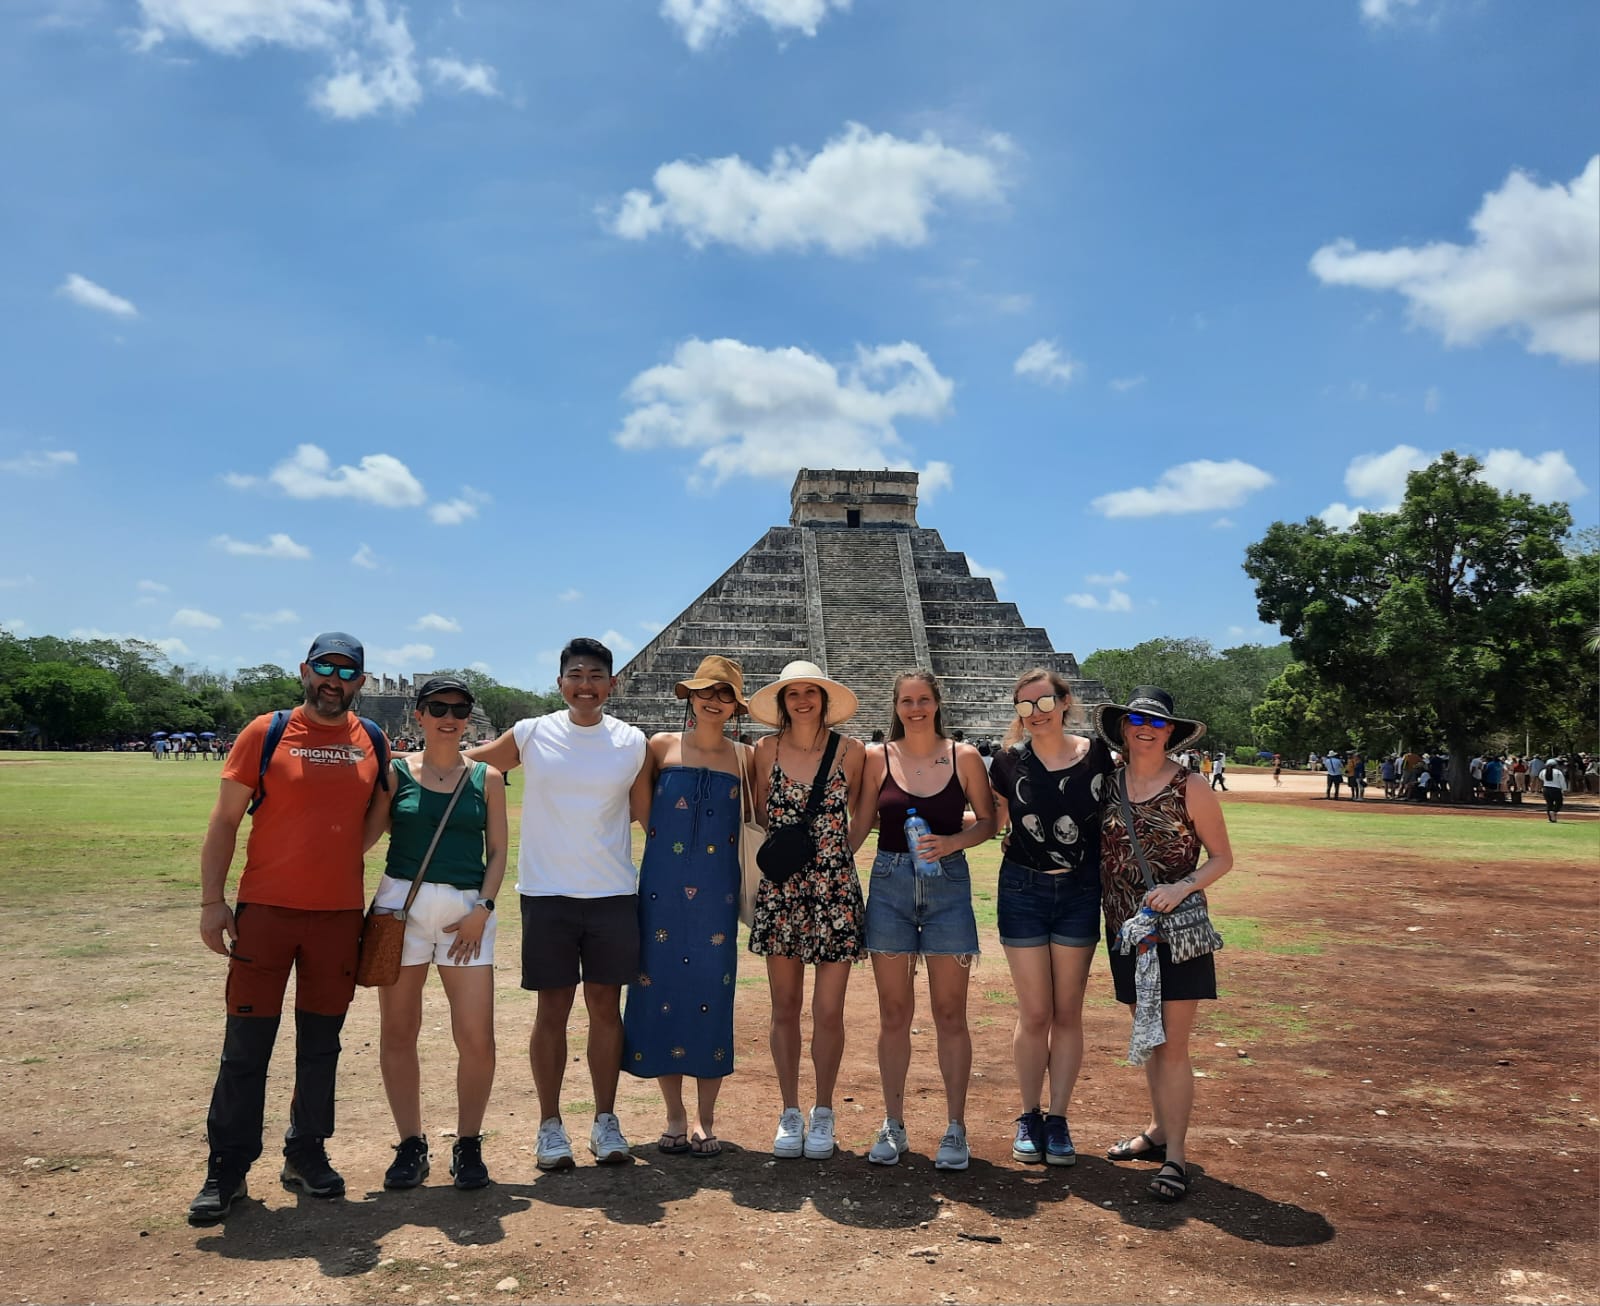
(306, 1170)
(466, 1163)
(410, 1166)
(216, 1197)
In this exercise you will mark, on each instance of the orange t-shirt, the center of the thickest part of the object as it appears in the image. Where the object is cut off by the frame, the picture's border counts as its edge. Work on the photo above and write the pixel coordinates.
(304, 849)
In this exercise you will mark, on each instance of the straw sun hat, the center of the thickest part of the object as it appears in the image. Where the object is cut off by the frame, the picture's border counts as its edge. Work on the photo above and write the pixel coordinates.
(842, 702)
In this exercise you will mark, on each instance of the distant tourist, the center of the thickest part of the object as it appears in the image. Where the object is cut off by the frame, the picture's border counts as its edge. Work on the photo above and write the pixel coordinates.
(1386, 771)
(1357, 775)
(1173, 817)
(1050, 788)
(1219, 767)
(1334, 766)
(916, 912)
(1554, 781)
(679, 1018)
(816, 917)
(451, 924)
(578, 888)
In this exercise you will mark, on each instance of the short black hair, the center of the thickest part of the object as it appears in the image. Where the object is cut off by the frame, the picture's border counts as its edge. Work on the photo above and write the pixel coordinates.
(584, 647)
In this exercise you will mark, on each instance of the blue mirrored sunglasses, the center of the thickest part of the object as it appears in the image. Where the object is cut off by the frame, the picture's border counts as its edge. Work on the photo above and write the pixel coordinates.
(1145, 719)
(329, 669)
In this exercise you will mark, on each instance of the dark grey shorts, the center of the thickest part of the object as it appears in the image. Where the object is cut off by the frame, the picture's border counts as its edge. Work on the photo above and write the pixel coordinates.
(568, 940)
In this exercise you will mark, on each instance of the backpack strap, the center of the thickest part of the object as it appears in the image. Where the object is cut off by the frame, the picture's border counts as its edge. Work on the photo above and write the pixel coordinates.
(280, 723)
(380, 746)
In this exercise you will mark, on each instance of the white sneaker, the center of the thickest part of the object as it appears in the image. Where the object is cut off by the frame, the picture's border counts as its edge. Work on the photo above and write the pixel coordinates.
(819, 1137)
(790, 1141)
(891, 1144)
(606, 1141)
(953, 1153)
(555, 1150)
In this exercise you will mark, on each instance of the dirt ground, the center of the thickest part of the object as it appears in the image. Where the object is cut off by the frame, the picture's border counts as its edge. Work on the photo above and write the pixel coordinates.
(1404, 1110)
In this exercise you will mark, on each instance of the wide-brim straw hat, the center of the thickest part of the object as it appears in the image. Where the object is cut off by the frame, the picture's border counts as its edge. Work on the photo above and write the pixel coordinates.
(1157, 702)
(716, 670)
(842, 701)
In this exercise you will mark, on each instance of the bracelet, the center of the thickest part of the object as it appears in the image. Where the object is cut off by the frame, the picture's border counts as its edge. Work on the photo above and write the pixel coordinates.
(213, 902)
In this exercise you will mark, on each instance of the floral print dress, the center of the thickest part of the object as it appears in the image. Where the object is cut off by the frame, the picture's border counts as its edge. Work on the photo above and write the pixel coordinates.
(819, 914)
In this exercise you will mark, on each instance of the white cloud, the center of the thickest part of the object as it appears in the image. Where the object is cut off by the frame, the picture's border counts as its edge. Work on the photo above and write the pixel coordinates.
(1115, 601)
(464, 507)
(933, 479)
(195, 619)
(978, 569)
(1381, 477)
(15, 625)
(365, 557)
(266, 620)
(1533, 269)
(480, 666)
(1548, 477)
(232, 26)
(1117, 577)
(80, 290)
(768, 412)
(570, 596)
(1044, 362)
(16, 582)
(1341, 516)
(860, 191)
(653, 627)
(617, 642)
(1383, 13)
(406, 658)
(240, 480)
(39, 462)
(278, 545)
(309, 473)
(172, 647)
(379, 74)
(702, 22)
(434, 622)
(1222, 524)
(467, 78)
(1189, 487)
(1430, 401)
(151, 587)
(1123, 384)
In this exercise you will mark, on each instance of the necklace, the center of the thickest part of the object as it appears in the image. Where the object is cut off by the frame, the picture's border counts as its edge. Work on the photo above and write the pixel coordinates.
(443, 777)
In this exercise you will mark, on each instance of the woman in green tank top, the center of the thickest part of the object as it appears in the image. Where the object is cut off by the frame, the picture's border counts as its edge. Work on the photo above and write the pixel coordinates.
(451, 923)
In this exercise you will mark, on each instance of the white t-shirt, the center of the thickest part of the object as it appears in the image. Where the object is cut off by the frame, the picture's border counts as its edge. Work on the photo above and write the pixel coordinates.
(1553, 777)
(576, 840)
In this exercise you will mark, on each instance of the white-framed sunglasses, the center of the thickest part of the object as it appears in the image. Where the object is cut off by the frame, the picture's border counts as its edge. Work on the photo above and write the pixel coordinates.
(1026, 707)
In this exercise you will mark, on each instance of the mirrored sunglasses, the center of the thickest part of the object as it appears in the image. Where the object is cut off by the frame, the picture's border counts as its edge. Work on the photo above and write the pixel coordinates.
(1026, 707)
(460, 711)
(1145, 719)
(722, 693)
(329, 669)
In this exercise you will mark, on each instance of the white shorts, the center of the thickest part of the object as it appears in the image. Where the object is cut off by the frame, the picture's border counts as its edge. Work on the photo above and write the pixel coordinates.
(437, 905)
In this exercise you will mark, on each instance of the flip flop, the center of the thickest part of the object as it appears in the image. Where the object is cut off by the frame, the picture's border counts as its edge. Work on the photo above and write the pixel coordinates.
(708, 1145)
(673, 1144)
(1153, 1151)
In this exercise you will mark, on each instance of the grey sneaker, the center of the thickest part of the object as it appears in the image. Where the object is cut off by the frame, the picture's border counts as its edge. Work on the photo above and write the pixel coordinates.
(606, 1141)
(555, 1149)
(819, 1142)
(953, 1153)
(223, 1187)
(790, 1139)
(891, 1144)
(306, 1169)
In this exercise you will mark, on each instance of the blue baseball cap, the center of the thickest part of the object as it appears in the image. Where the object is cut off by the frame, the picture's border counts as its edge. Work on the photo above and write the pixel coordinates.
(336, 641)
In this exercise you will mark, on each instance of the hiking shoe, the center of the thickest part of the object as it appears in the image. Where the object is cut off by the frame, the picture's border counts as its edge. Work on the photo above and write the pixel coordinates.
(306, 1170)
(819, 1143)
(555, 1150)
(217, 1195)
(1028, 1145)
(1058, 1148)
(791, 1136)
(410, 1165)
(953, 1153)
(891, 1144)
(606, 1141)
(466, 1163)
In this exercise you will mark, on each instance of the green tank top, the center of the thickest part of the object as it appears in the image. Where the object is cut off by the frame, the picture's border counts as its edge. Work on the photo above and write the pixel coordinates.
(414, 814)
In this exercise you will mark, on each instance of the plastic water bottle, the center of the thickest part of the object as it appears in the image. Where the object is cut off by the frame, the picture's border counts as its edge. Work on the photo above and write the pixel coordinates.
(917, 828)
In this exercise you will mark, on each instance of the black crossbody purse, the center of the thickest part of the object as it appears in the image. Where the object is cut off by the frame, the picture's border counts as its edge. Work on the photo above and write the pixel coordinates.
(788, 849)
(1186, 929)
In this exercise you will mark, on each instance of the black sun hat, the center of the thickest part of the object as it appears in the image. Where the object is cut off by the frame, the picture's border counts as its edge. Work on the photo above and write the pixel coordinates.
(1156, 702)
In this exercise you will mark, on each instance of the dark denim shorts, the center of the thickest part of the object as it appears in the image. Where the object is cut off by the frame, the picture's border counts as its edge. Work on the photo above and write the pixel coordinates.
(929, 916)
(1035, 908)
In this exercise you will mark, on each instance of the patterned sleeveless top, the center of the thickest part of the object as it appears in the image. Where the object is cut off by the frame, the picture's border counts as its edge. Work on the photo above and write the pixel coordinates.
(1167, 835)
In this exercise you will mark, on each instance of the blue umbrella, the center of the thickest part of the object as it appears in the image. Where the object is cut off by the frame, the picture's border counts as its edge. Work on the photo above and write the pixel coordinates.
(208, 734)
(1262, 752)
(158, 734)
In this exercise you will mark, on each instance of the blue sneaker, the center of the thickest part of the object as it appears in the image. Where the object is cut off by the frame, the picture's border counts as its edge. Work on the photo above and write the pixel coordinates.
(1058, 1148)
(1028, 1146)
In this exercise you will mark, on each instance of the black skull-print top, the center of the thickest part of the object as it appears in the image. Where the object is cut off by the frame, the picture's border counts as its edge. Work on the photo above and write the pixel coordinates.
(1055, 815)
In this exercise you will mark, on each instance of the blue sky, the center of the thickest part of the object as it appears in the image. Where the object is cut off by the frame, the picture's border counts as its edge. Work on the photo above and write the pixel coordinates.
(470, 327)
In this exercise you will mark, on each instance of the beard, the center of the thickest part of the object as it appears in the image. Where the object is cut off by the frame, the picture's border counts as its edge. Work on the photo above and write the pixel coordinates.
(328, 698)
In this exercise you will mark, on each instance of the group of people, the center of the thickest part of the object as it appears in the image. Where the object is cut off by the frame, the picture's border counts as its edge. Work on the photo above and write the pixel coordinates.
(1091, 846)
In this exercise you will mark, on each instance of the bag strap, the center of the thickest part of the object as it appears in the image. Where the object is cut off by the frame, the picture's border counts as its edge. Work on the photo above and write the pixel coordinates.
(747, 798)
(819, 783)
(1133, 835)
(422, 868)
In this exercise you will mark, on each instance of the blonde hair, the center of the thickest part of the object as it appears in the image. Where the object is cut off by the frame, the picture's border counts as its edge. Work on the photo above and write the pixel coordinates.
(1063, 692)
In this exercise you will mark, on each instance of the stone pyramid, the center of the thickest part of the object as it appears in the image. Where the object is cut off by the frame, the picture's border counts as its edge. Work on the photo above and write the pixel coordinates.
(857, 586)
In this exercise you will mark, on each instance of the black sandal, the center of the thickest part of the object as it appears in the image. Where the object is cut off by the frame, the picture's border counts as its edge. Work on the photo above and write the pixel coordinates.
(1171, 1183)
(1128, 1152)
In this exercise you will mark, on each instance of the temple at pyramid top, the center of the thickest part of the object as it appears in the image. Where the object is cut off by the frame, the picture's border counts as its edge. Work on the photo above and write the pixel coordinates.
(855, 584)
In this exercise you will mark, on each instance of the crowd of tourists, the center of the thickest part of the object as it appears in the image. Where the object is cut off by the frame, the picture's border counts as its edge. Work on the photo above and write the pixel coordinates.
(1107, 837)
(1422, 777)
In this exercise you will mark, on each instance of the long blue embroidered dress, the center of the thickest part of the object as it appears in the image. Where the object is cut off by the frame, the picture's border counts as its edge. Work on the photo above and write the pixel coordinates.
(679, 1017)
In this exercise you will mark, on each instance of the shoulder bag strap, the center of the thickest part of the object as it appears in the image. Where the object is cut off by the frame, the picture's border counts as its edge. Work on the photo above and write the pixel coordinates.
(819, 785)
(1133, 834)
(747, 798)
(422, 869)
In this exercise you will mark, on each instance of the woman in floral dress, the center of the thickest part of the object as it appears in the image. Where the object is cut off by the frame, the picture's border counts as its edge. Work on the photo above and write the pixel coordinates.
(817, 917)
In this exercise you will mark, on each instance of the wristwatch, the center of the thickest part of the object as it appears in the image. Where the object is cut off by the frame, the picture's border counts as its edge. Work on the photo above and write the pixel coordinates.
(487, 904)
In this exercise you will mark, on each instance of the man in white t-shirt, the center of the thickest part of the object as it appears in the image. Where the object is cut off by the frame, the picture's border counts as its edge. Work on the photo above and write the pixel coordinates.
(578, 887)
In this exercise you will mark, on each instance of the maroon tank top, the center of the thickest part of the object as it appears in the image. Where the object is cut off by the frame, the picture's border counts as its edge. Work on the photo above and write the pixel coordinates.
(944, 811)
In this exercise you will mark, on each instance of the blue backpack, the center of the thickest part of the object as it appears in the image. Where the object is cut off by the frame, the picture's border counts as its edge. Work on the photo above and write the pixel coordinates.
(275, 729)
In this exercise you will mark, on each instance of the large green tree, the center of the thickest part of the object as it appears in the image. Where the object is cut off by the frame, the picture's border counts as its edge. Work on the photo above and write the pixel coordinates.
(68, 703)
(1452, 617)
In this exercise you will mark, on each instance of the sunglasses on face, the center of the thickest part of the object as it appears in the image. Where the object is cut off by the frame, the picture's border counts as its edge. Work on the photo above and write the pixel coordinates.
(1026, 707)
(329, 669)
(722, 693)
(460, 711)
(1145, 719)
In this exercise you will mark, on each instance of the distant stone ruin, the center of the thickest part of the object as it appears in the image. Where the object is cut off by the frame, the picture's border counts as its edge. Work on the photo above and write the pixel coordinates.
(390, 701)
(854, 584)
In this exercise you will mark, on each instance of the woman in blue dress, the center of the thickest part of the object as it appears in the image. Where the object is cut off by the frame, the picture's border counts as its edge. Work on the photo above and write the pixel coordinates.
(679, 1017)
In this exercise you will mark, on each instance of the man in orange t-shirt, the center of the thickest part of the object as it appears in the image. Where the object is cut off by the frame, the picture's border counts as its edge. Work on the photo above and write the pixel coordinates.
(299, 908)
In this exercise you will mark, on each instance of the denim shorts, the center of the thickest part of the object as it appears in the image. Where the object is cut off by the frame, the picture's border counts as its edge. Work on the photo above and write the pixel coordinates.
(1035, 908)
(926, 915)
